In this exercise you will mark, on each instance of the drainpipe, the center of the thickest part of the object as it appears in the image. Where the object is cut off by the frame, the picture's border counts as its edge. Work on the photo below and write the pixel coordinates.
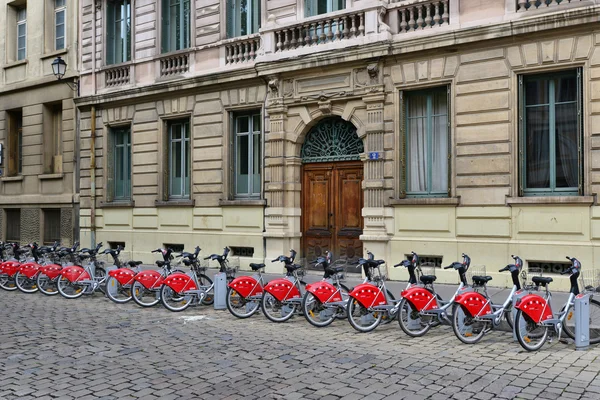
(93, 177)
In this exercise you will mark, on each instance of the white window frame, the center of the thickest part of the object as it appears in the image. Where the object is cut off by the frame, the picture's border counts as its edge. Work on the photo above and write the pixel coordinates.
(57, 10)
(21, 21)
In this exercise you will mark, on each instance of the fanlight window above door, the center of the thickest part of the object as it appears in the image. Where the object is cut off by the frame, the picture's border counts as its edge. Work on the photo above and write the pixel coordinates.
(332, 139)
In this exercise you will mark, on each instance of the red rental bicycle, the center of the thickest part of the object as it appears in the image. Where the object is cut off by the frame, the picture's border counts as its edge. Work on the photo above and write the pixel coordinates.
(118, 285)
(9, 268)
(244, 293)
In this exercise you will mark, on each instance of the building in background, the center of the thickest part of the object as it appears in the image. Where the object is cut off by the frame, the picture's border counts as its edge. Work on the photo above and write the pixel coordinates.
(435, 126)
(39, 180)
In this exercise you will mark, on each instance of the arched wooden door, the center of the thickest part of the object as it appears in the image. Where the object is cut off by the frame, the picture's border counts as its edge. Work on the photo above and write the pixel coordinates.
(332, 196)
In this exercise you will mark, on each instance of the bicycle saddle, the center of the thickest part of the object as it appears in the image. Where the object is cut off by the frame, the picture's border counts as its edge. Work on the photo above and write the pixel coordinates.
(256, 267)
(481, 280)
(539, 280)
(134, 263)
(293, 267)
(161, 263)
(428, 279)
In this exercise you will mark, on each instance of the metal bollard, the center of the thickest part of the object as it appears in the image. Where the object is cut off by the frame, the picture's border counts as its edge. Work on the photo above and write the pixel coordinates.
(220, 291)
(582, 321)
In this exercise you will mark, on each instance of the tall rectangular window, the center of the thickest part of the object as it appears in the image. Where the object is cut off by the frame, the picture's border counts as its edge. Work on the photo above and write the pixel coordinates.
(13, 225)
(122, 163)
(21, 33)
(179, 159)
(60, 14)
(175, 25)
(551, 134)
(243, 17)
(318, 7)
(427, 142)
(118, 31)
(247, 160)
(15, 143)
(52, 138)
(51, 226)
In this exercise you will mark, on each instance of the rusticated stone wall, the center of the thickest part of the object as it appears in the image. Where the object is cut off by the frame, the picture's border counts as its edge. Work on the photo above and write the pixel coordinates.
(30, 225)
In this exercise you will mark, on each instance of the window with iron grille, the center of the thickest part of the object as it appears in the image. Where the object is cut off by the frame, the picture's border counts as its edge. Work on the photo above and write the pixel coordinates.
(242, 251)
(546, 267)
(13, 225)
(51, 226)
(176, 247)
(427, 261)
(115, 245)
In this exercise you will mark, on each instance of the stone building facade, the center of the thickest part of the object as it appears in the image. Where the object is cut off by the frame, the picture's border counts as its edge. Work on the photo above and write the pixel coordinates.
(439, 127)
(38, 124)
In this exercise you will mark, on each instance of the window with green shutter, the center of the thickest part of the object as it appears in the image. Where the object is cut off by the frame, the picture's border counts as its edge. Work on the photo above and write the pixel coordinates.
(550, 134)
(175, 25)
(121, 171)
(247, 159)
(426, 143)
(179, 159)
(118, 31)
(243, 17)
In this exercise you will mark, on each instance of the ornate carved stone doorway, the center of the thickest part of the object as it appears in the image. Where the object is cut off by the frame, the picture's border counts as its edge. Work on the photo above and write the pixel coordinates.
(332, 195)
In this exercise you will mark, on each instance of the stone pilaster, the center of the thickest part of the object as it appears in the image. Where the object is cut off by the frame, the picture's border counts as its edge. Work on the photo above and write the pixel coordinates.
(375, 236)
(282, 186)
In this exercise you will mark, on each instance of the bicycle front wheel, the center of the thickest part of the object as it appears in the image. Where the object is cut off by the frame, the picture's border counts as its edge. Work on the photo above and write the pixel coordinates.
(569, 323)
(8, 283)
(530, 334)
(361, 318)
(25, 284)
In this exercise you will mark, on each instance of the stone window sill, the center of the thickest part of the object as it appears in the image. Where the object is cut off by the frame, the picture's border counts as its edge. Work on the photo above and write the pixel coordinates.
(15, 64)
(551, 200)
(174, 203)
(54, 53)
(51, 176)
(426, 201)
(245, 202)
(17, 178)
(118, 204)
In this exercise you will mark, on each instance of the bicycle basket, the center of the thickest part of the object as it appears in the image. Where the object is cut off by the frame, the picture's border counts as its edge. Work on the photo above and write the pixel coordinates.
(589, 281)
(475, 270)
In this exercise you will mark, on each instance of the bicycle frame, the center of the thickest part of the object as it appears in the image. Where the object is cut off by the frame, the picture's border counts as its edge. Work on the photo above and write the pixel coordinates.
(252, 286)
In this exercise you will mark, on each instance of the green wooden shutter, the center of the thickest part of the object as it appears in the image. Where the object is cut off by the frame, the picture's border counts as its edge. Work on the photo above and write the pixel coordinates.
(580, 129)
(110, 165)
(403, 161)
(110, 33)
(521, 137)
(450, 146)
(230, 18)
(165, 25)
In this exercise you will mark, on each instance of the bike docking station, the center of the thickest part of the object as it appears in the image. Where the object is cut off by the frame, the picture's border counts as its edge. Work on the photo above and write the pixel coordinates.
(220, 283)
(582, 321)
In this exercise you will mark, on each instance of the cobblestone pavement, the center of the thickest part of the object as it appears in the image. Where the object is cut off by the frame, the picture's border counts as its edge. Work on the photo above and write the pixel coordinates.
(92, 348)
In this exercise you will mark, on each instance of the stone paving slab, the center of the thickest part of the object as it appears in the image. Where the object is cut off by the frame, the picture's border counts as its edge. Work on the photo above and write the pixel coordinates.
(91, 348)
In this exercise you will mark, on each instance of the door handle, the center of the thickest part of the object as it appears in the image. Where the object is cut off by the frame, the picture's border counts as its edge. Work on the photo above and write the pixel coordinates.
(330, 215)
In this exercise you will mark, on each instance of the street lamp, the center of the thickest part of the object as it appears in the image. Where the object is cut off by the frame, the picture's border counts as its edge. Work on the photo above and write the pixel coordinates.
(59, 68)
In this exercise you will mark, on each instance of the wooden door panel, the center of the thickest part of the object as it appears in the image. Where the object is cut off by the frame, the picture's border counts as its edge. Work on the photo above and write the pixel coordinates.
(349, 221)
(332, 201)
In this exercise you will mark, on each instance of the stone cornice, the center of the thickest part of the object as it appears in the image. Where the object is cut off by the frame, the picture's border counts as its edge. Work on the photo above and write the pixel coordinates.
(577, 19)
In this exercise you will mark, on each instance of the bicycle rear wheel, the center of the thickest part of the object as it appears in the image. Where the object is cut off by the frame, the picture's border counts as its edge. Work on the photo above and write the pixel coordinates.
(8, 283)
(315, 312)
(531, 335)
(569, 324)
(275, 310)
(361, 318)
(174, 301)
(117, 292)
(239, 306)
(411, 321)
(25, 284)
(68, 289)
(144, 297)
(46, 285)
(466, 328)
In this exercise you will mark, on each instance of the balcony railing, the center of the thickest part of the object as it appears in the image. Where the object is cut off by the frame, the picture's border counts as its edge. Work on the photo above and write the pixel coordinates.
(530, 5)
(116, 76)
(422, 15)
(243, 51)
(174, 65)
(321, 31)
